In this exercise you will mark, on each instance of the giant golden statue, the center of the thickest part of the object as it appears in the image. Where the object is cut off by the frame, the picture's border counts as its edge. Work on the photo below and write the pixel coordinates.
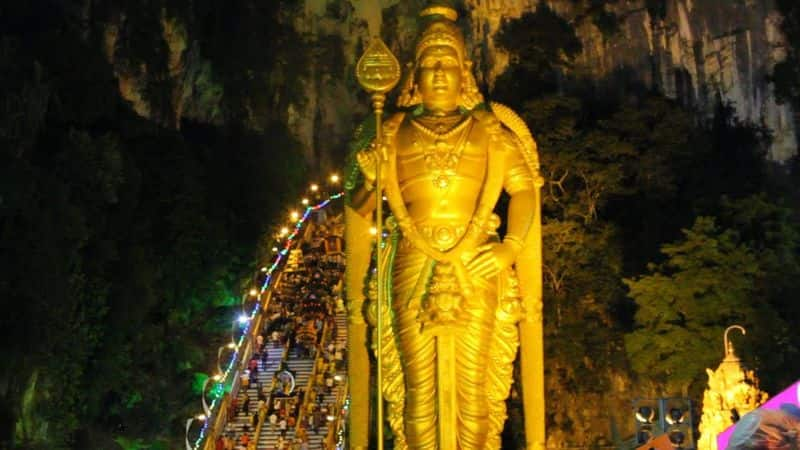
(459, 300)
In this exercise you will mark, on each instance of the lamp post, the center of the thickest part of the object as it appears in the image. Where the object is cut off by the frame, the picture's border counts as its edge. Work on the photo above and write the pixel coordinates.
(333, 183)
(253, 294)
(206, 409)
(229, 346)
(243, 303)
(730, 355)
(189, 421)
(239, 322)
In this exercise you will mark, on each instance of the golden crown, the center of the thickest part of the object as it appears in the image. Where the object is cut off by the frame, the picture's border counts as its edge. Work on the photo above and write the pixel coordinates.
(442, 31)
(445, 11)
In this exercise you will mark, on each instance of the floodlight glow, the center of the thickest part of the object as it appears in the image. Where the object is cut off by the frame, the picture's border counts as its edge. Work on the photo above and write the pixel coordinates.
(645, 414)
(676, 416)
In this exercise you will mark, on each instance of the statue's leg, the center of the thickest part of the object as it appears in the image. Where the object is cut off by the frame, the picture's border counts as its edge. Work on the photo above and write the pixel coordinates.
(472, 349)
(417, 352)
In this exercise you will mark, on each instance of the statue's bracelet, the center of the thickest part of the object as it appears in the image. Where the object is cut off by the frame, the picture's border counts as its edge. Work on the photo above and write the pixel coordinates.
(369, 185)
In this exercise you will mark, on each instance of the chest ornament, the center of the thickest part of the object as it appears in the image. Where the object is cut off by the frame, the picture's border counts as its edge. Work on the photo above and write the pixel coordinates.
(442, 150)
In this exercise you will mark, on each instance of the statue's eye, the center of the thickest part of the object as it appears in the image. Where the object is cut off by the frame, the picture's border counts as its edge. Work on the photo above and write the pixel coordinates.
(428, 63)
(449, 63)
(444, 63)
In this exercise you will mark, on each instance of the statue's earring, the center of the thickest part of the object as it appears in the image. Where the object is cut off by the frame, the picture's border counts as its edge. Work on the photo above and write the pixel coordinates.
(470, 95)
(416, 97)
(409, 95)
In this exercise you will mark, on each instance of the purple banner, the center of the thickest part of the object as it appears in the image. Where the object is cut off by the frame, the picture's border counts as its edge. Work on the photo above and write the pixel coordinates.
(789, 395)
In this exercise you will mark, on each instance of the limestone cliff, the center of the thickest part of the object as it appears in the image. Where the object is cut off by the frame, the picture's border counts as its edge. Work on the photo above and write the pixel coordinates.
(695, 51)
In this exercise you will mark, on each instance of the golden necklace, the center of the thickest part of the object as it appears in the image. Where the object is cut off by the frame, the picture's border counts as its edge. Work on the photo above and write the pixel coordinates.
(441, 157)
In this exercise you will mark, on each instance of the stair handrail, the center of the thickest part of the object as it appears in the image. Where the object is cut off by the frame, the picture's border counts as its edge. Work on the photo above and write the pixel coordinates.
(258, 323)
(220, 419)
(333, 431)
(301, 415)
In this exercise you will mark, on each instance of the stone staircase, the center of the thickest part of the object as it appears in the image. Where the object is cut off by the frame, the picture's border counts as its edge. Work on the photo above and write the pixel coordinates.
(302, 368)
(264, 376)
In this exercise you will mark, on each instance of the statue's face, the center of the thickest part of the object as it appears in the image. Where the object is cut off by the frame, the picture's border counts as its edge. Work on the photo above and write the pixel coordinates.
(439, 79)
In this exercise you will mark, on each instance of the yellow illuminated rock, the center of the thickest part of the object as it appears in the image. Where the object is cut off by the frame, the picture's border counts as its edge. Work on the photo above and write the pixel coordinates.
(458, 300)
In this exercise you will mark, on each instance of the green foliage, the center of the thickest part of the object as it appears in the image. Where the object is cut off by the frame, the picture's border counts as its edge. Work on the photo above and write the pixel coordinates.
(198, 380)
(707, 282)
(139, 444)
(542, 45)
(257, 56)
(30, 427)
(771, 230)
(121, 243)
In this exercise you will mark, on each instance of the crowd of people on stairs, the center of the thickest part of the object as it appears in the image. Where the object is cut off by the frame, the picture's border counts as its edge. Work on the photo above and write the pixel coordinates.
(300, 326)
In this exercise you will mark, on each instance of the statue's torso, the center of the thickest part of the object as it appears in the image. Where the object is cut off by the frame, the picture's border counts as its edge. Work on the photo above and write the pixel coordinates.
(440, 176)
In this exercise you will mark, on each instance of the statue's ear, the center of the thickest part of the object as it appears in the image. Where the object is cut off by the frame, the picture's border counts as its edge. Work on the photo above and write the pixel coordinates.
(470, 95)
(409, 96)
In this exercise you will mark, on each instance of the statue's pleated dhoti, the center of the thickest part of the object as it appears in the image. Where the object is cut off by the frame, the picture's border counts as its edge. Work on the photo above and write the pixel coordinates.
(481, 344)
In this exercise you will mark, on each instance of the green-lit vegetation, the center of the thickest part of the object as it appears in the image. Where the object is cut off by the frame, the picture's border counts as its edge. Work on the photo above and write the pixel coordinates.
(125, 242)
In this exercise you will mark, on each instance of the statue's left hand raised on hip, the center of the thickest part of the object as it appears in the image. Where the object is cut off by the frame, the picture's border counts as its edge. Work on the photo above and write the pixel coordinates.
(491, 259)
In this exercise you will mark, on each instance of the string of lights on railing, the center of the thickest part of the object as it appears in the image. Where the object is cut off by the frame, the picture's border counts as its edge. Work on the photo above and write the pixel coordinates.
(245, 320)
(340, 432)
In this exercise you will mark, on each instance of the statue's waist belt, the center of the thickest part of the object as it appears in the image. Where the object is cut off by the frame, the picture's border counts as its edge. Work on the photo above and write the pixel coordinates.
(441, 236)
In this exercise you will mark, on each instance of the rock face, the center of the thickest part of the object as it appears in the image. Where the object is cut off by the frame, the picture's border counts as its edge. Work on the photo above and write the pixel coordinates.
(696, 51)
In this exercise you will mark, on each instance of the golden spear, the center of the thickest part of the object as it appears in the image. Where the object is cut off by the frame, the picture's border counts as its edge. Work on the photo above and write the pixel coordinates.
(378, 72)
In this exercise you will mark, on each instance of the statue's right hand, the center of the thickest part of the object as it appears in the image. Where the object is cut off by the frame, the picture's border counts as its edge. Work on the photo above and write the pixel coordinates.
(368, 162)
